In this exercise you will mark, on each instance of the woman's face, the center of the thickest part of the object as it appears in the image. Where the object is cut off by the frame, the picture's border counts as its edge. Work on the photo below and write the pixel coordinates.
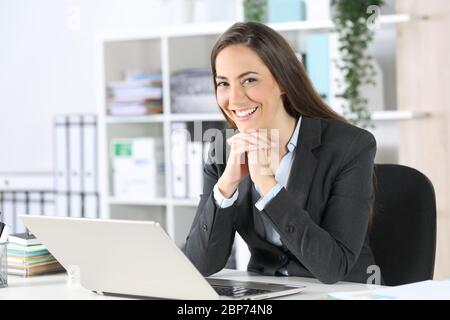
(246, 90)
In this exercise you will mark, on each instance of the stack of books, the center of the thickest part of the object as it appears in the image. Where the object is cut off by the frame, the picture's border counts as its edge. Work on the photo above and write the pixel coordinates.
(28, 257)
(192, 91)
(138, 94)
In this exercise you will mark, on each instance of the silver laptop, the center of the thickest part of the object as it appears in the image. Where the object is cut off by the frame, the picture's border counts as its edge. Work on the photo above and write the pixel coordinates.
(136, 258)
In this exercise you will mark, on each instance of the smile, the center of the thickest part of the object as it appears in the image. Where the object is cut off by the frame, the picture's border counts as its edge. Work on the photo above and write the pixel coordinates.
(244, 114)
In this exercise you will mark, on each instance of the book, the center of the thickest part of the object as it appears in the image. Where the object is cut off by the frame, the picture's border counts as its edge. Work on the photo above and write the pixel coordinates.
(17, 260)
(25, 239)
(39, 269)
(14, 265)
(26, 249)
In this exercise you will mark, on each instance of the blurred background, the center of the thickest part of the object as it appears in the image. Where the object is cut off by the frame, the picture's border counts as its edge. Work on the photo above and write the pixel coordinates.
(106, 105)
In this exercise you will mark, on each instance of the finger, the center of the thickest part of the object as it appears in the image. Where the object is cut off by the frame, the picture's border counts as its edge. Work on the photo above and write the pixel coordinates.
(253, 139)
(247, 146)
(240, 137)
(263, 136)
(240, 149)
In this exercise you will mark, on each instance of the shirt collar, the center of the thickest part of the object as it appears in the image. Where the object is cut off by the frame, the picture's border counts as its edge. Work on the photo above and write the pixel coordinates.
(294, 138)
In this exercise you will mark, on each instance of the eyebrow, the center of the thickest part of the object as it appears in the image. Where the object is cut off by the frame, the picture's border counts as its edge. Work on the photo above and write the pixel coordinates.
(240, 76)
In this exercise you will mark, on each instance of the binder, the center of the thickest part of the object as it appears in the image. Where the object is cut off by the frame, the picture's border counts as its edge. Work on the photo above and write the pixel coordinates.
(76, 205)
(179, 138)
(75, 153)
(195, 168)
(89, 153)
(61, 156)
(24, 194)
(89, 174)
(20, 203)
(49, 204)
(62, 204)
(75, 165)
(61, 166)
(91, 205)
(36, 204)
(76, 181)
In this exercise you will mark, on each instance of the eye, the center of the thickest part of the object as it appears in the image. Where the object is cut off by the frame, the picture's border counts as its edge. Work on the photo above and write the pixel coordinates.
(221, 84)
(249, 80)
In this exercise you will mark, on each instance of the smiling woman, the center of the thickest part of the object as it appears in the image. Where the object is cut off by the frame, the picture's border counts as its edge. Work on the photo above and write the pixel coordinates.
(302, 197)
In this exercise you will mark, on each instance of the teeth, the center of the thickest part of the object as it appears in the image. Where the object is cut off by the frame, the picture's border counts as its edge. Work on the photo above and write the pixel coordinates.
(245, 113)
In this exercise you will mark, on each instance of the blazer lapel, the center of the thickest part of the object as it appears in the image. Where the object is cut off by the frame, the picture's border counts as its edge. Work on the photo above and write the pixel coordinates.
(304, 163)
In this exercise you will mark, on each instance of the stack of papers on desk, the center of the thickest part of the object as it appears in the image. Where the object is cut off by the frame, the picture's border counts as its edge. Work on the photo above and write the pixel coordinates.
(425, 290)
(28, 260)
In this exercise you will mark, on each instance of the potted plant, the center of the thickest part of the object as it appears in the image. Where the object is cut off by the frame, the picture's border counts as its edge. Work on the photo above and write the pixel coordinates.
(255, 10)
(354, 25)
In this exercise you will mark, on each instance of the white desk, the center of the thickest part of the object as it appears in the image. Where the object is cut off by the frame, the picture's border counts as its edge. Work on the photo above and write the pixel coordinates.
(57, 287)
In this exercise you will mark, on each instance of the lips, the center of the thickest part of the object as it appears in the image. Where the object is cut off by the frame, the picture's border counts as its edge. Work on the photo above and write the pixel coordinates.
(244, 113)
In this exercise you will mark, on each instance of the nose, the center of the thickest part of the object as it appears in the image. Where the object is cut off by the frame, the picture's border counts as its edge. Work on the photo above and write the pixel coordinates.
(237, 95)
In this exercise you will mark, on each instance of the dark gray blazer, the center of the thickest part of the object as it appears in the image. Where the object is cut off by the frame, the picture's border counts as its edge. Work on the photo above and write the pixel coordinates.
(322, 216)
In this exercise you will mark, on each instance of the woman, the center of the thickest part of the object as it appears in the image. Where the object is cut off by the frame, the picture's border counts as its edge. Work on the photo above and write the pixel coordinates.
(297, 183)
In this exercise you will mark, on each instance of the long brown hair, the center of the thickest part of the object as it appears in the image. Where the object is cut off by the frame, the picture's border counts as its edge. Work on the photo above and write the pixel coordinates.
(300, 97)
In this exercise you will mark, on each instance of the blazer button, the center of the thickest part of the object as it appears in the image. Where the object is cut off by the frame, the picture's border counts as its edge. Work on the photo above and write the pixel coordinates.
(290, 228)
(204, 227)
(281, 258)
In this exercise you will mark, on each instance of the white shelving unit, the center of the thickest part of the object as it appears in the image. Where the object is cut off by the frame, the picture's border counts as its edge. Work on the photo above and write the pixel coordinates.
(168, 50)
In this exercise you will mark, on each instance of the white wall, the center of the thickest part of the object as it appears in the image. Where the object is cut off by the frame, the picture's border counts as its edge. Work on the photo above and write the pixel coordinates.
(47, 66)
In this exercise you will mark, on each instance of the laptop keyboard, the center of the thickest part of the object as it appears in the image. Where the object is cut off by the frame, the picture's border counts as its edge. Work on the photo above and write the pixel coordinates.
(237, 292)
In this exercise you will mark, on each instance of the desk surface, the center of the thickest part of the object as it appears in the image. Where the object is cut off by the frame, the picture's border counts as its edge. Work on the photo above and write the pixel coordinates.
(57, 287)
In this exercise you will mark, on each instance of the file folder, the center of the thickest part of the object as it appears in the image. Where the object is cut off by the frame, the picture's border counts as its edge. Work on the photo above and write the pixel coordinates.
(179, 138)
(61, 166)
(75, 153)
(195, 168)
(91, 205)
(76, 181)
(61, 154)
(20, 208)
(89, 174)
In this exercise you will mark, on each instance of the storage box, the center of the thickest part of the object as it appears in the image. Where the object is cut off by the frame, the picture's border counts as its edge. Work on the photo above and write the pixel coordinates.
(138, 167)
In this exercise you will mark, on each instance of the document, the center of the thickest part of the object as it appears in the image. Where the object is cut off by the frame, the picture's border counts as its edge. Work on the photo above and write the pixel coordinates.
(424, 290)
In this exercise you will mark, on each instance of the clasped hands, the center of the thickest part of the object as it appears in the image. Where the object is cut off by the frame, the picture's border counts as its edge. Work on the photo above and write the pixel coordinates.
(255, 153)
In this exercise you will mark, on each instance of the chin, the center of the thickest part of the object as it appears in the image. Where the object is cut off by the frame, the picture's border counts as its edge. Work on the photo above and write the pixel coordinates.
(246, 126)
